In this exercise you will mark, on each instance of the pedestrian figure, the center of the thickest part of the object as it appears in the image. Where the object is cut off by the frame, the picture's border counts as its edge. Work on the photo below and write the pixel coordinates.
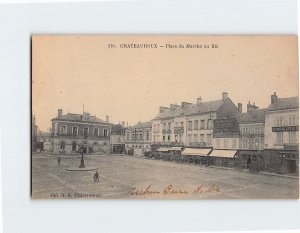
(96, 177)
(58, 160)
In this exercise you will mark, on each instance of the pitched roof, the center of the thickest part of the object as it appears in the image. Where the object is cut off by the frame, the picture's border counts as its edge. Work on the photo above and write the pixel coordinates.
(285, 103)
(146, 124)
(253, 116)
(191, 109)
(78, 118)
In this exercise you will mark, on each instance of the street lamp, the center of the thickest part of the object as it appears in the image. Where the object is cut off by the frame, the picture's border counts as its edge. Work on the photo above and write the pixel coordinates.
(84, 142)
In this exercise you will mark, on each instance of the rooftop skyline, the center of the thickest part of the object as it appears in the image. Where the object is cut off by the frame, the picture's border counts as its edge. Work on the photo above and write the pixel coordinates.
(131, 84)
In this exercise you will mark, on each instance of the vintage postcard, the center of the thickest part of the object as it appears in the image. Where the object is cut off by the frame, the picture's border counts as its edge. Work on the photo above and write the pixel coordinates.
(164, 117)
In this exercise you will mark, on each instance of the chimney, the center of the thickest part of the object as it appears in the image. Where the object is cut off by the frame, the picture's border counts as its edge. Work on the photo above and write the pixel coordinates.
(224, 96)
(240, 107)
(274, 98)
(107, 119)
(183, 104)
(251, 107)
(162, 109)
(199, 100)
(59, 113)
(173, 106)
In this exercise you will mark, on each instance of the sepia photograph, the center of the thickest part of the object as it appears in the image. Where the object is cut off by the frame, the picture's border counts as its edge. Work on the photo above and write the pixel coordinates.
(164, 117)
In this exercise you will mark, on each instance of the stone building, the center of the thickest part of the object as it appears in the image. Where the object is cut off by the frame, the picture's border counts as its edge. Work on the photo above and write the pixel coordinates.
(44, 140)
(72, 131)
(190, 124)
(34, 131)
(138, 138)
(252, 126)
(281, 152)
(117, 145)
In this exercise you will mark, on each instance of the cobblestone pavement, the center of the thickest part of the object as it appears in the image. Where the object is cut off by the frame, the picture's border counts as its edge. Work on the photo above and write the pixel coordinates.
(126, 177)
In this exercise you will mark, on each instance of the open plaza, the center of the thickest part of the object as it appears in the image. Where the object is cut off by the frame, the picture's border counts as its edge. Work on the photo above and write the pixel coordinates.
(130, 177)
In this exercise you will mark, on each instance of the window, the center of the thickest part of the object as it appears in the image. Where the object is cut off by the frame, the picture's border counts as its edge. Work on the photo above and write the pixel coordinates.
(245, 143)
(280, 121)
(63, 129)
(105, 133)
(189, 138)
(176, 138)
(169, 125)
(190, 125)
(195, 138)
(141, 136)
(279, 138)
(74, 146)
(208, 138)
(164, 138)
(201, 137)
(196, 124)
(233, 143)
(169, 137)
(62, 145)
(258, 130)
(176, 124)
(164, 126)
(292, 137)
(85, 131)
(225, 143)
(75, 130)
(127, 137)
(202, 124)
(292, 120)
(257, 143)
(96, 132)
(147, 136)
(181, 124)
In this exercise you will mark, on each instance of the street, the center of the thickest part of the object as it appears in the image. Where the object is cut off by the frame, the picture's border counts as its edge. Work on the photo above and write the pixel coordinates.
(127, 177)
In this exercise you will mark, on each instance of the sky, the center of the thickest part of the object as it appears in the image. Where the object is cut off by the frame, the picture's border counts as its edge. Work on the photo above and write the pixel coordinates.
(129, 84)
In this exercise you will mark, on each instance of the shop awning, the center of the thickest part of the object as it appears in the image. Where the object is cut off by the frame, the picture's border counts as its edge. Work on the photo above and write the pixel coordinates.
(223, 153)
(163, 149)
(176, 148)
(196, 151)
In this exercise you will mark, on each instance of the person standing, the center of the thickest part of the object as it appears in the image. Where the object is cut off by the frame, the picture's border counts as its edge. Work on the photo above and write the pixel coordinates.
(58, 160)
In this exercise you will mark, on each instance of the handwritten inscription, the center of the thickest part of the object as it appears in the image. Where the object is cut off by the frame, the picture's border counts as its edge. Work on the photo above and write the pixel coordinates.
(172, 190)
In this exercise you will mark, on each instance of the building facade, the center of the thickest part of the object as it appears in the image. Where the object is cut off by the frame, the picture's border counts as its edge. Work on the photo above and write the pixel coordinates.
(282, 123)
(71, 132)
(34, 131)
(252, 127)
(281, 152)
(138, 138)
(44, 140)
(117, 135)
(190, 124)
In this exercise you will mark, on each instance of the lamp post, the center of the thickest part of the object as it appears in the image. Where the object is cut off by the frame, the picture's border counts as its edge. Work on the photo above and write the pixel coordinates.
(82, 151)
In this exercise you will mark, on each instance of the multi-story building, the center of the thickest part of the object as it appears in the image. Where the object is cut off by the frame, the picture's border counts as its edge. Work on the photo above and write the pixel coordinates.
(282, 134)
(117, 135)
(45, 141)
(71, 132)
(34, 131)
(252, 126)
(138, 138)
(190, 124)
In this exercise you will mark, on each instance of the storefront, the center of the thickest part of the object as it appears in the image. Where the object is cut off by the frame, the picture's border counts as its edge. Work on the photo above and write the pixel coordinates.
(196, 155)
(223, 158)
(249, 159)
(281, 161)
